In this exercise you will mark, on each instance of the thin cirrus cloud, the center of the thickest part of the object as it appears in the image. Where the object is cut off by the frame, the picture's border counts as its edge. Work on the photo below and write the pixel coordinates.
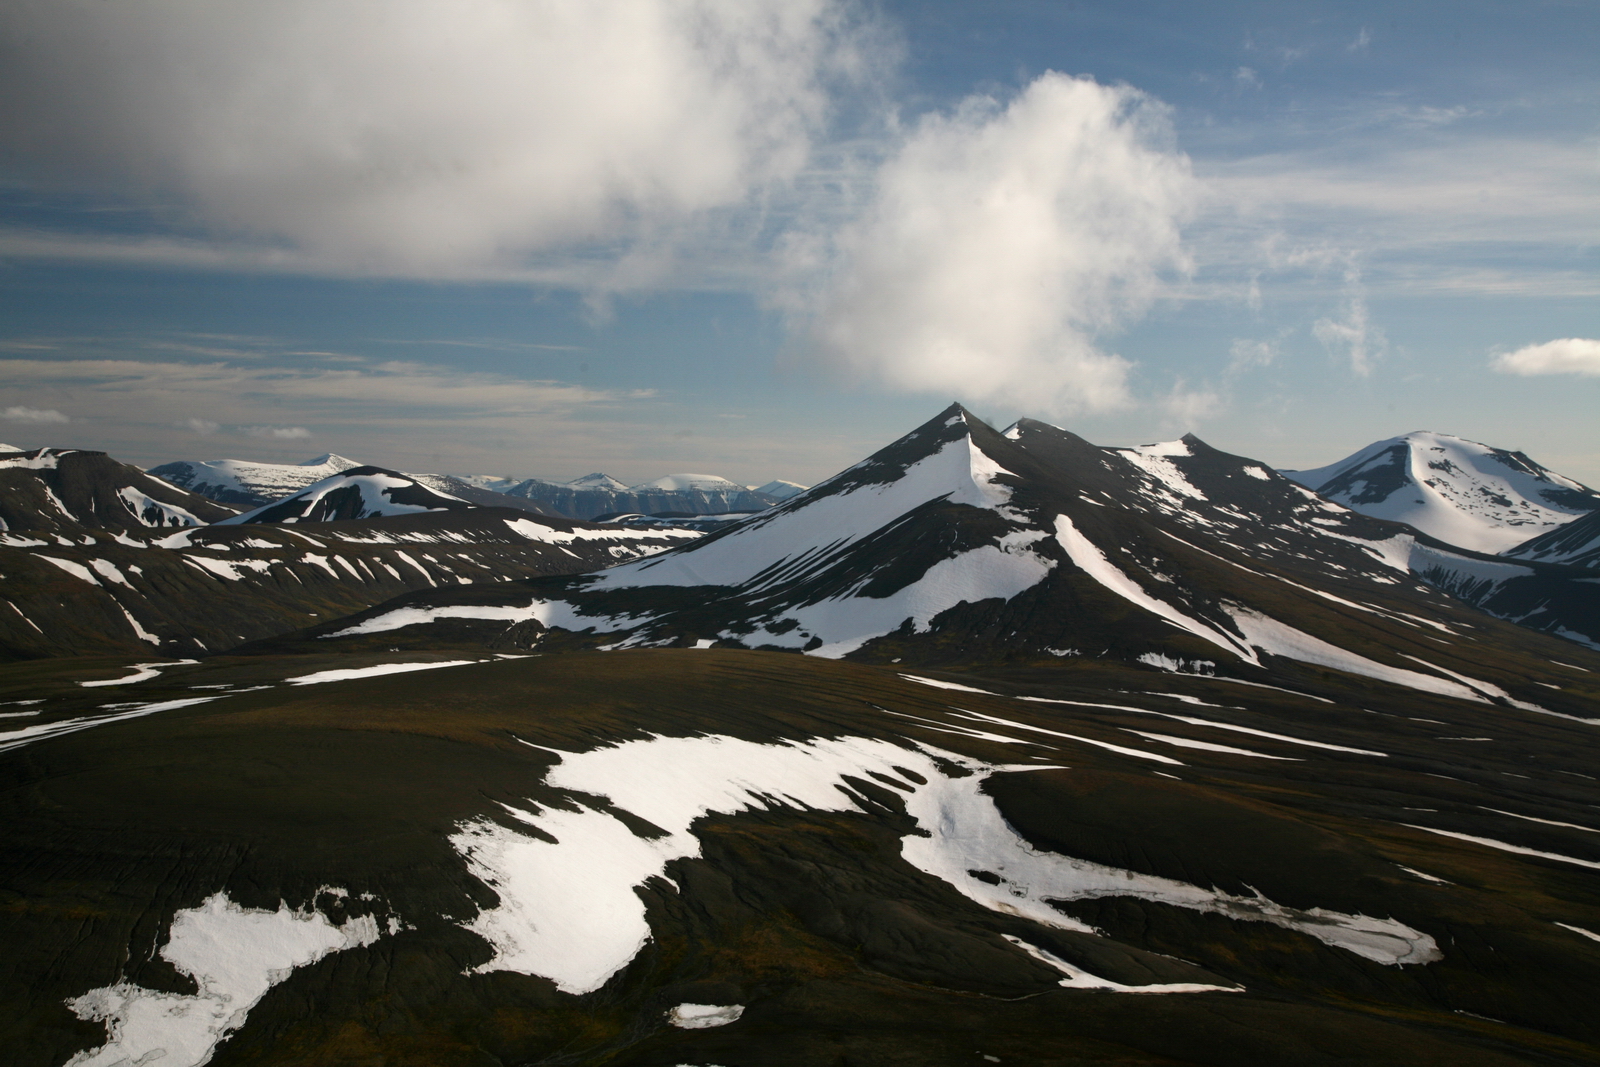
(276, 433)
(232, 392)
(1001, 241)
(1568, 355)
(429, 138)
(19, 413)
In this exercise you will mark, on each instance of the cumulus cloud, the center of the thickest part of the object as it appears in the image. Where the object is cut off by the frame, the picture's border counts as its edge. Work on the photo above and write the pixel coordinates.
(35, 415)
(1569, 355)
(203, 427)
(424, 137)
(1001, 241)
(276, 433)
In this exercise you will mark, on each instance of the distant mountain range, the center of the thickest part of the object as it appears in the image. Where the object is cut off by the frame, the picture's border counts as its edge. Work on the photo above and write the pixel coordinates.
(250, 484)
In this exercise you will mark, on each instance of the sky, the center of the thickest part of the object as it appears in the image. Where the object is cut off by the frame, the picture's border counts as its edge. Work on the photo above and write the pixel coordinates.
(762, 238)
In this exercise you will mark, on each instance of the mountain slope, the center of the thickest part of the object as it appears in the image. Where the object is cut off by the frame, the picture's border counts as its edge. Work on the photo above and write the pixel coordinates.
(1576, 544)
(246, 482)
(200, 591)
(68, 491)
(666, 857)
(1458, 491)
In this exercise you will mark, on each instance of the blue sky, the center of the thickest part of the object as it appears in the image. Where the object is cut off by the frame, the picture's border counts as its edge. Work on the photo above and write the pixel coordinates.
(760, 240)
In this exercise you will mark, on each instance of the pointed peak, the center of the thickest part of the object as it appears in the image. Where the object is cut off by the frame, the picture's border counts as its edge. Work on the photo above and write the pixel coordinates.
(331, 459)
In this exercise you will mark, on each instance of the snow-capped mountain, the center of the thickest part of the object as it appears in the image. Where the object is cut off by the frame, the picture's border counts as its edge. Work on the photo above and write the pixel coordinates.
(1463, 493)
(779, 489)
(599, 494)
(249, 483)
(356, 493)
(957, 542)
(204, 590)
(69, 490)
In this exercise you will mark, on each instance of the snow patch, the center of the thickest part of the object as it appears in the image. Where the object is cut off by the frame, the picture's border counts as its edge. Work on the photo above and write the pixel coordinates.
(569, 912)
(347, 673)
(704, 1016)
(234, 955)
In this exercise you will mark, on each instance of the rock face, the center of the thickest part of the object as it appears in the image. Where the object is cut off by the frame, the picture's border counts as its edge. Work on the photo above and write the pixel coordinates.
(1458, 491)
(69, 490)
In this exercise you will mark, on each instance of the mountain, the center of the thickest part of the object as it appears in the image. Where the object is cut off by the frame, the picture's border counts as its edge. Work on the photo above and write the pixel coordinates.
(201, 591)
(1139, 756)
(958, 544)
(249, 483)
(1458, 491)
(67, 491)
(1576, 544)
(682, 494)
(780, 490)
(356, 493)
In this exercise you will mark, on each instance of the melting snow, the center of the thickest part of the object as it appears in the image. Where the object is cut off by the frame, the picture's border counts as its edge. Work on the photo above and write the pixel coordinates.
(937, 684)
(1207, 746)
(569, 911)
(1502, 846)
(347, 673)
(1089, 559)
(1590, 934)
(1076, 978)
(1278, 639)
(704, 1016)
(142, 672)
(234, 955)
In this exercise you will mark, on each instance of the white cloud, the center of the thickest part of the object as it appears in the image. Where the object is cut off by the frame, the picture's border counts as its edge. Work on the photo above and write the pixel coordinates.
(1001, 241)
(1354, 336)
(276, 433)
(1187, 408)
(1569, 355)
(203, 427)
(37, 415)
(433, 138)
(1245, 354)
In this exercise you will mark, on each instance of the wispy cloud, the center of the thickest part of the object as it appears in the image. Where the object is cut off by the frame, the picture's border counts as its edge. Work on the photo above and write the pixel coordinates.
(19, 413)
(276, 433)
(203, 427)
(1352, 335)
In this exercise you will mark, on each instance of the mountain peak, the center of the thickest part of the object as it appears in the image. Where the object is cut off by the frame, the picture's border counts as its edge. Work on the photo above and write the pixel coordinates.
(331, 459)
(1460, 491)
